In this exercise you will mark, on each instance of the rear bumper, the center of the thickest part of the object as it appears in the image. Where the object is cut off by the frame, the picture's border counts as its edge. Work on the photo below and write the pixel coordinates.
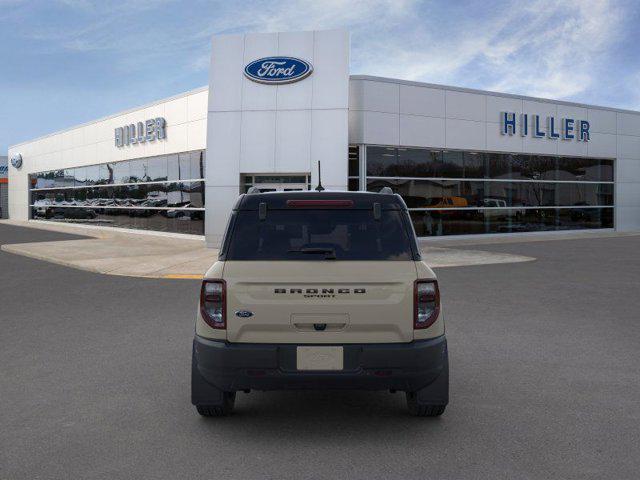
(396, 366)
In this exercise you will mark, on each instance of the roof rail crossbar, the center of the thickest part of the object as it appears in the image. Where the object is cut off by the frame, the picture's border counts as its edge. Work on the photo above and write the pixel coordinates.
(386, 190)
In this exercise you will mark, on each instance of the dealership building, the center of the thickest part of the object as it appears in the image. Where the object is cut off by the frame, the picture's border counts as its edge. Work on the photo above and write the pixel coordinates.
(465, 161)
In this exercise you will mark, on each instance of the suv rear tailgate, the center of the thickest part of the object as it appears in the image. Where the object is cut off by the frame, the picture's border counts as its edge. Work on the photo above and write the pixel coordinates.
(319, 302)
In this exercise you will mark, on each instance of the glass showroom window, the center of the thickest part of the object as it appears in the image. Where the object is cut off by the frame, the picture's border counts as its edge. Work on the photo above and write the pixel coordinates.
(163, 193)
(453, 192)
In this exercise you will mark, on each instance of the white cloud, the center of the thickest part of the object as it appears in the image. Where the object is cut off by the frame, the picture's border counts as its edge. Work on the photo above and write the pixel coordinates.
(565, 40)
(540, 48)
(545, 49)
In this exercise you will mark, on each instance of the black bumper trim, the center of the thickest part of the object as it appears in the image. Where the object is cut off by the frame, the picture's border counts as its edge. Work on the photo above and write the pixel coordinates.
(396, 366)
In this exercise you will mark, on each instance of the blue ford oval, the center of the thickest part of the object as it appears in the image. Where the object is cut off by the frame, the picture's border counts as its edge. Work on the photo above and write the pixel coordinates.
(278, 70)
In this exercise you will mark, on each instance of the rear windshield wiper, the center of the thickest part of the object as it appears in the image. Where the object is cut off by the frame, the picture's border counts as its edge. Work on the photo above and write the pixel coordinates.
(330, 253)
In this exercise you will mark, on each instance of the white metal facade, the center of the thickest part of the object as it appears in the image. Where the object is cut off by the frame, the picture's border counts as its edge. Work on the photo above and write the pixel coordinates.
(258, 128)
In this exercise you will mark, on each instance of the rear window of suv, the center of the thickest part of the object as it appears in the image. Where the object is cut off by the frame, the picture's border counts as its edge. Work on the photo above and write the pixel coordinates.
(319, 235)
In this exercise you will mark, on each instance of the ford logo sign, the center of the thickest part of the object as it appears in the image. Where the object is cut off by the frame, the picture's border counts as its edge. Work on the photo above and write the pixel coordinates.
(16, 160)
(244, 314)
(278, 70)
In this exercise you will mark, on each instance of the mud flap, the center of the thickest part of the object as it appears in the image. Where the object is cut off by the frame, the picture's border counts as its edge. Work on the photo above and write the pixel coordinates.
(437, 392)
(202, 392)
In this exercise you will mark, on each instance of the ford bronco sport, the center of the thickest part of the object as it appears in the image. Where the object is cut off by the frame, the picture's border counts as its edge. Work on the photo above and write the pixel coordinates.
(320, 290)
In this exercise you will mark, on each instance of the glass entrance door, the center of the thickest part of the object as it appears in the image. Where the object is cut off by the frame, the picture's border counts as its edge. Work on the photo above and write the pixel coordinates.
(276, 183)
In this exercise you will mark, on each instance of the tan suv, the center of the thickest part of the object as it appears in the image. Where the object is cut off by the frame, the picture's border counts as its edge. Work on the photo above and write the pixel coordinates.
(320, 290)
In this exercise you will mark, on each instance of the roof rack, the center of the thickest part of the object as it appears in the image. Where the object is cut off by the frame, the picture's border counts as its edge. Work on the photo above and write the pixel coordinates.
(253, 190)
(386, 191)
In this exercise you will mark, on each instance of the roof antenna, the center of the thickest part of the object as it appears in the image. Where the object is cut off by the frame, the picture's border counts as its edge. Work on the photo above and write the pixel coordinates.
(319, 188)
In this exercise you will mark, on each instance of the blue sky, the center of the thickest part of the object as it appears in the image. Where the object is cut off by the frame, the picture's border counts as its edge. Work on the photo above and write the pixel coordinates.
(65, 62)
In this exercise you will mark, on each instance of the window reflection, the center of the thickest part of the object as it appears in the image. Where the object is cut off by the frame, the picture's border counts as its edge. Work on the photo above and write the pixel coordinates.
(173, 167)
(138, 171)
(157, 169)
(424, 163)
(58, 178)
(505, 220)
(92, 175)
(196, 194)
(189, 166)
(460, 192)
(80, 177)
(105, 174)
(196, 165)
(156, 195)
(452, 165)
(132, 193)
(120, 172)
(191, 222)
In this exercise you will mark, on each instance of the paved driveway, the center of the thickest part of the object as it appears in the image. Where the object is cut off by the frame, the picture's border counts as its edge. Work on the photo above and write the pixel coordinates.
(544, 366)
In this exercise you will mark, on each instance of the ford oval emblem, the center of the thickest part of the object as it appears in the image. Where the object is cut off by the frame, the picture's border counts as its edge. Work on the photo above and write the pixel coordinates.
(244, 314)
(278, 70)
(16, 160)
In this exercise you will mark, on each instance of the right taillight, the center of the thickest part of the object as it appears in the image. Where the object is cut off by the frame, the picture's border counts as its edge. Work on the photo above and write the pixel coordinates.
(426, 303)
(213, 303)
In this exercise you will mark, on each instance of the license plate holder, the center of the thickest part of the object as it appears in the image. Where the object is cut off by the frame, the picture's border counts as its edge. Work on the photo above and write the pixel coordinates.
(320, 358)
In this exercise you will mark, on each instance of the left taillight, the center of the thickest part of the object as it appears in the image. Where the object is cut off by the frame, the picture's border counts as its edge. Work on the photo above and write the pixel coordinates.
(213, 303)
(426, 303)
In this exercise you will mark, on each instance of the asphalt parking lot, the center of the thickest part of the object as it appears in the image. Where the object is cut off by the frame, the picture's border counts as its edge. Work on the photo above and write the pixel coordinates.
(544, 360)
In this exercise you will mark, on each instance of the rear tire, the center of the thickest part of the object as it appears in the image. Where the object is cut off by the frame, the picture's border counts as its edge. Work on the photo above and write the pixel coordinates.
(219, 410)
(418, 410)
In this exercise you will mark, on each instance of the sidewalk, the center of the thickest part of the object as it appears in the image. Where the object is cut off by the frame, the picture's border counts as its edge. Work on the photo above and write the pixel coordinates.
(119, 252)
(160, 255)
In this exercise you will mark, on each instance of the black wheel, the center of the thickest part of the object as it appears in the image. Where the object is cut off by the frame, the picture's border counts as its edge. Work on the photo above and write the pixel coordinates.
(419, 410)
(219, 410)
